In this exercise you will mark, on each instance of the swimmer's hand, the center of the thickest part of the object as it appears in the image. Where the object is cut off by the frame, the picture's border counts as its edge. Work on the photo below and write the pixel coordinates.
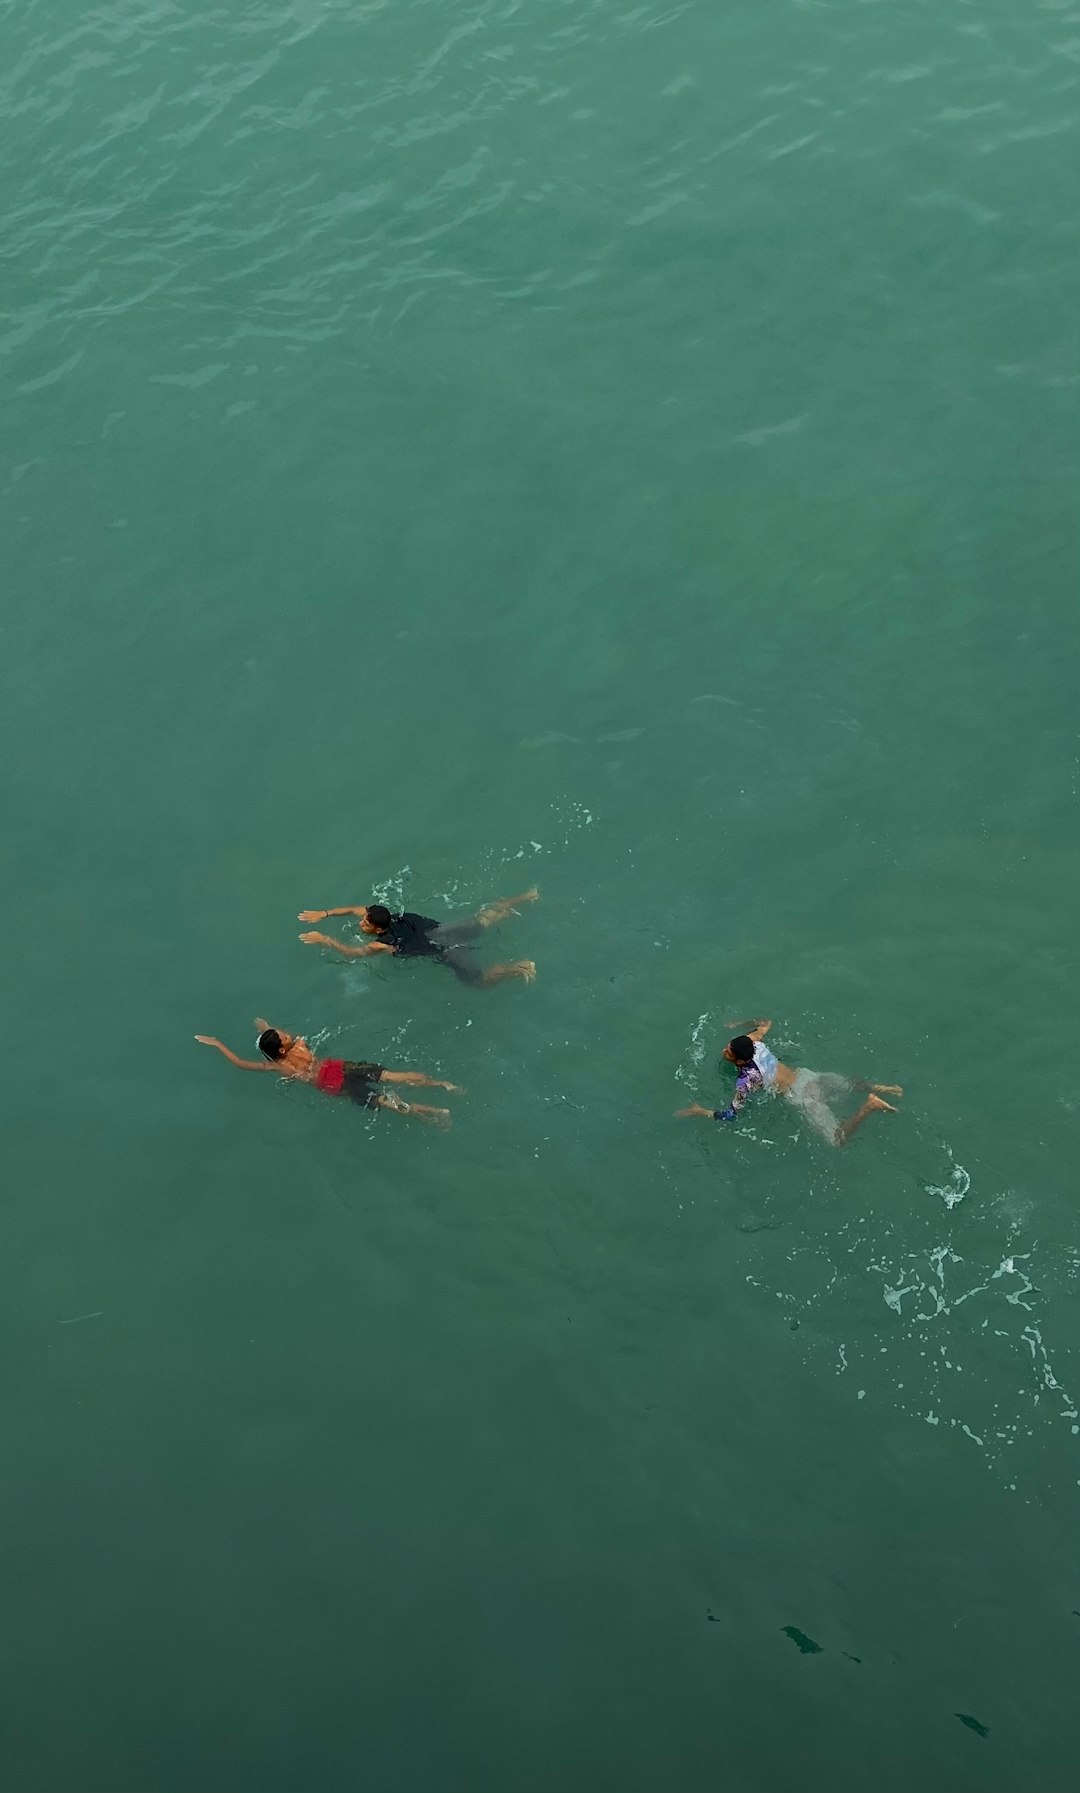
(760, 1025)
(691, 1113)
(206, 1039)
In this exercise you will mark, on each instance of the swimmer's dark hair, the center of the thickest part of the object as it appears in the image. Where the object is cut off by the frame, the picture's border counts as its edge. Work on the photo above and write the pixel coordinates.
(270, 1043)
(742, 1049)
(379, 915)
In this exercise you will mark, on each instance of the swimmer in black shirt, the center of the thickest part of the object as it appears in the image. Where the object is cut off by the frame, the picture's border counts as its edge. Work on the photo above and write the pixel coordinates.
(410, 936)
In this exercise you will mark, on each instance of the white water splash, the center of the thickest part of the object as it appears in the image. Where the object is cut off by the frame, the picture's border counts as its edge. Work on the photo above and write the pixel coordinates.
(693, 1058)
(391, 891)
(949, 1352)
(566, 819)
(953, 1191)
(893, 1297)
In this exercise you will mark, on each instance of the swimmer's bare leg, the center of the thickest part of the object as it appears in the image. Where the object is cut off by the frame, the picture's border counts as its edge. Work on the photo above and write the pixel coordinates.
(499, 911)
(872, 1105)
(525, 969)
(432, 1117)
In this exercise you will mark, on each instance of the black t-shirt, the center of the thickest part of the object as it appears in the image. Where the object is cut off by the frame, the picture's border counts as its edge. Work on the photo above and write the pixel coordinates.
(408, 935)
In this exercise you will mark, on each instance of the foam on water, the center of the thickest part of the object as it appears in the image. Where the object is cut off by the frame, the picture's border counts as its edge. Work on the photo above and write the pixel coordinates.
(960, 1330)
(688, 1070)
(953, 1191)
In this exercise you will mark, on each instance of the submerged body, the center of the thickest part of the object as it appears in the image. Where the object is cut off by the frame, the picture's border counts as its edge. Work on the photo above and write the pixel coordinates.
(815, 1094)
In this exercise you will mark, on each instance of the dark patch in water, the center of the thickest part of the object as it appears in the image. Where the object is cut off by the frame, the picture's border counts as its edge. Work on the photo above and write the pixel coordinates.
(805, 1644)
(973, 1724)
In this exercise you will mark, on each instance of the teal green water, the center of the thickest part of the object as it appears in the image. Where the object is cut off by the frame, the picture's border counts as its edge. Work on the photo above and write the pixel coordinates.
(630, 448)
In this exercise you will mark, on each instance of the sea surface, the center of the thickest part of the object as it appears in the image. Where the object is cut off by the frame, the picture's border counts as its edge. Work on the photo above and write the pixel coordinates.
(631, 449)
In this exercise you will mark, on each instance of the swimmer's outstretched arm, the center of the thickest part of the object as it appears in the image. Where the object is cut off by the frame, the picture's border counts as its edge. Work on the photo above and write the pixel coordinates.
(242, 1064)
(324, 914)
(739, 1098)
(348, 952)
(421, 1080)
(755, 1031)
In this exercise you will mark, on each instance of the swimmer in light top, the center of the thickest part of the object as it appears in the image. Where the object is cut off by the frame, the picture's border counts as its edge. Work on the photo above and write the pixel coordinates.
(289, 1056)
(811, 1092)
(410, 936)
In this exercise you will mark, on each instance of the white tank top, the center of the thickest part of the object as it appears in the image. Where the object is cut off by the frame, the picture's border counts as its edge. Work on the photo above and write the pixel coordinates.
(766, 1063)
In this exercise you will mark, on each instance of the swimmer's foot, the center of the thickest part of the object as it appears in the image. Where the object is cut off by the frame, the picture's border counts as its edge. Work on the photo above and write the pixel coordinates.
(525, 969)
(432, 1117)
(847, 1128)
(496, 912)
(873, 1101)
(887, 1089)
